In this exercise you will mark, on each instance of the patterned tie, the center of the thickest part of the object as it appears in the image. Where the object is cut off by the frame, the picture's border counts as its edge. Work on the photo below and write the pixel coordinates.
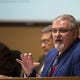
(54, 66)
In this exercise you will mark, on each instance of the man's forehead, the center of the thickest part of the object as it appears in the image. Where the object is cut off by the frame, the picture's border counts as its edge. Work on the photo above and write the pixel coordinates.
(45, 35)
(60, 23)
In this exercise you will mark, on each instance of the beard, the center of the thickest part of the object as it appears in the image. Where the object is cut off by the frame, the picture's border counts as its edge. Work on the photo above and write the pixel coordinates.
(59, 47)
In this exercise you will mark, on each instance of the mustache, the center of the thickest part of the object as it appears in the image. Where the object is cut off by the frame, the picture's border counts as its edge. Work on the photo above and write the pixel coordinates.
(58, 39)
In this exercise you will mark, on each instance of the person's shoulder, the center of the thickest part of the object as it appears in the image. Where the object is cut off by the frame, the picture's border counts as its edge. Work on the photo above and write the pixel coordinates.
(76, 49)
(77, 45)
(51, 53)
(50, 56)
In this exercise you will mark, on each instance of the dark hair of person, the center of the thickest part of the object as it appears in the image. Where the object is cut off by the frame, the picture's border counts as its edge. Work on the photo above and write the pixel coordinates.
(7, 61)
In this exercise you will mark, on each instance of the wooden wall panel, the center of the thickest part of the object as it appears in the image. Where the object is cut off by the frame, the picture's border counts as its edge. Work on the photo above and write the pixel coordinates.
(25, 39)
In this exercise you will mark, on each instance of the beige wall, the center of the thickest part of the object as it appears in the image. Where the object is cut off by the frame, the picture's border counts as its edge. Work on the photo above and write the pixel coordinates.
(23, 38)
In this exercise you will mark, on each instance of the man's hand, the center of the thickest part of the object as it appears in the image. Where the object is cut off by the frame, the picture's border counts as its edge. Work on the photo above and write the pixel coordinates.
(27, 63)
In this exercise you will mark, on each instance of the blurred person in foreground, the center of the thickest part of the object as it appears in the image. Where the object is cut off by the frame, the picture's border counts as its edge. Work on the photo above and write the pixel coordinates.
(8, 65)
(66, 60)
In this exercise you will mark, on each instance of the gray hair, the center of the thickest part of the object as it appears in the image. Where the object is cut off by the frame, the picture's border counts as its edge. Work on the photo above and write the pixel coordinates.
(47, 29)
(72, 21)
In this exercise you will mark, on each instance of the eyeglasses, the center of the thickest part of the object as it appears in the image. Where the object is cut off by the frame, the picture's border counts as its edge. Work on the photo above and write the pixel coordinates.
(45, 41)
(61, 30)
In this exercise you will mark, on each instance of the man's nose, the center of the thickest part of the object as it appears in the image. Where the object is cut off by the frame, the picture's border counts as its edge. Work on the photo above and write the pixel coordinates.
(58, 32)
(42, 45)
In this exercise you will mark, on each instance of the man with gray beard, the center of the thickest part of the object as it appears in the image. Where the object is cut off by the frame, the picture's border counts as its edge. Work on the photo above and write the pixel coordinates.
(66, 60)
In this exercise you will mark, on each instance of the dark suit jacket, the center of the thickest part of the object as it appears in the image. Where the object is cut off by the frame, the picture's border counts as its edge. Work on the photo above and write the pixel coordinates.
(68, 64)
(41, 61)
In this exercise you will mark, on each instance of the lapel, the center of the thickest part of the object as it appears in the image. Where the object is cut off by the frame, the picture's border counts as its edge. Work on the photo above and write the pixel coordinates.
(49, 61)
(63, 60)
